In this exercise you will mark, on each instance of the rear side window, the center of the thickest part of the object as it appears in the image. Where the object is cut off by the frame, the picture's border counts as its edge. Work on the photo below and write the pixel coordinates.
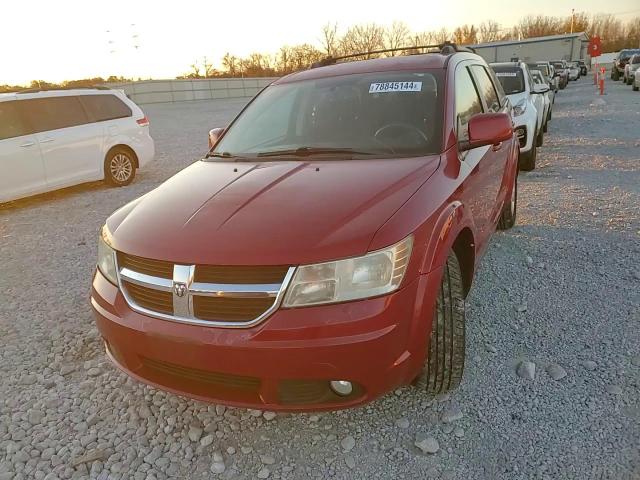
(467, 102)
(486, 88)
(53, 113)
(635, 59)
(104, 107)
(11, 122)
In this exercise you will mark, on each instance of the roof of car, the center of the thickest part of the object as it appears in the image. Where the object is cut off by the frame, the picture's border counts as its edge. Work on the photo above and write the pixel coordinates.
(507, 64)
(403, 62)
(64, 92)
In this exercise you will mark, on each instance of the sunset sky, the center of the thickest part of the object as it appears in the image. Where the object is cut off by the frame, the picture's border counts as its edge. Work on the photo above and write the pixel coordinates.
(70, 39)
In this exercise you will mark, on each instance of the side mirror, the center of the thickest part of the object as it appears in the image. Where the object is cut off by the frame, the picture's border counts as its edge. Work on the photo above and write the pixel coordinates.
(540, 89)
(214, 135)
(487, 129)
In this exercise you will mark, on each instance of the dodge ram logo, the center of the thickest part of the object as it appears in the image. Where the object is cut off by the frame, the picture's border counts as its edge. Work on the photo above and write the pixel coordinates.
(179, 289)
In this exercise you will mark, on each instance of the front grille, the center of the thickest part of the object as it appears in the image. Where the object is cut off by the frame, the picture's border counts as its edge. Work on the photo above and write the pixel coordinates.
(150, 298)
(230, 309)
(240, 274)
(522, 136)
(155, 268)
(216, 379)
(203, 294)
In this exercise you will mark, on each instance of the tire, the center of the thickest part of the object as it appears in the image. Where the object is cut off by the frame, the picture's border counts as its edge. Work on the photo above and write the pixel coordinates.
(527, 161)
(540, 138)
(445, 354)
(510, 208)
(544, 127)
(615, 75)
(119, 167)
(634, 88)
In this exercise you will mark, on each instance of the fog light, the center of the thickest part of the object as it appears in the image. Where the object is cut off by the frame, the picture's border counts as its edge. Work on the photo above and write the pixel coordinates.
(341, 387)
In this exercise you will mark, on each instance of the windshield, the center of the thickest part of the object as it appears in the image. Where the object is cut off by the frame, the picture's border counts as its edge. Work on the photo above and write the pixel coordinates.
(542, 67)
(625, 55)
(360, 115)
(635, 59)
(537, 76)
(511, 78)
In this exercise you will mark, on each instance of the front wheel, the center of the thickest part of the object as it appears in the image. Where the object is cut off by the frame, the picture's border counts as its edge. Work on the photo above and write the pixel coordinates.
(527, 160)
(508, 214)
(119, 167)
(634, 88)
(540, 138)
(445, 356)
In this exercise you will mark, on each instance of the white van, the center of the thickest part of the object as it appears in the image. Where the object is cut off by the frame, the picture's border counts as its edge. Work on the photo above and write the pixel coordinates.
(58, 138)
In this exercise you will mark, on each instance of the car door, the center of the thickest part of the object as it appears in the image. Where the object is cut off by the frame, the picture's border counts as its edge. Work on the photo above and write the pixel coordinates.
(496, 157)
(20, 159)
(71, 146)
(476, 162)
(536, 100)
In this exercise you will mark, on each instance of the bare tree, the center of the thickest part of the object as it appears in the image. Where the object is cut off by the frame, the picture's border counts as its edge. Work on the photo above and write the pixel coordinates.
(538, 26)
(330, 41)
(489, 31)
(195, 70)
(441, 35)
(396, 36)
(363, 39)
(466, 34)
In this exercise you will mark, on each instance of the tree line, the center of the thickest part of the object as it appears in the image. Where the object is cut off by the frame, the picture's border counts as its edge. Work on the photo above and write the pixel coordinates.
(615, 35)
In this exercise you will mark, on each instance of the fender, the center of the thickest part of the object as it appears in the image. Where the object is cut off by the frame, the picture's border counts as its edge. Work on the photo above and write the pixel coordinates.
(453, 219)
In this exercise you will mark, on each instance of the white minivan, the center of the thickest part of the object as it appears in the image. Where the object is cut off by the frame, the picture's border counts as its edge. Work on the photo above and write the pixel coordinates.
(58, 138)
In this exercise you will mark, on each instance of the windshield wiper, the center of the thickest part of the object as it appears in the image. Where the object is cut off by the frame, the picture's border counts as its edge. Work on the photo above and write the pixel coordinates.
(307, 151)
(222, 155)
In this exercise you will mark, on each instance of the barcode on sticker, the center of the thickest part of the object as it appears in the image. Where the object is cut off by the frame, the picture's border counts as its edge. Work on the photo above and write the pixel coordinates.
(506, 74)
(384, 87)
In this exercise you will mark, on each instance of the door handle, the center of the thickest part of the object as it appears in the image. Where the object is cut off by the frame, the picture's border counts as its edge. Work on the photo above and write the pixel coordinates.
(46, 140)
(27, 144)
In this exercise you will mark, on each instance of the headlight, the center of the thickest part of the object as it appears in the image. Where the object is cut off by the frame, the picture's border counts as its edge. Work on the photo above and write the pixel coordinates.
(376, 273)
(107, 256)
(520, 107)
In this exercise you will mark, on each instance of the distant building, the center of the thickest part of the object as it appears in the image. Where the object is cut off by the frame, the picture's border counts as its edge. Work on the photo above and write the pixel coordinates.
(570, 46)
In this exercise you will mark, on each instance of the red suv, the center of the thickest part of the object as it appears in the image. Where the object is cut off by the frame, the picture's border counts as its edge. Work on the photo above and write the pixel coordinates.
(320, 255)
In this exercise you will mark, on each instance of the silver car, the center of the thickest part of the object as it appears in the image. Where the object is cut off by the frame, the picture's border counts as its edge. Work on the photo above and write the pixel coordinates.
(631, 68)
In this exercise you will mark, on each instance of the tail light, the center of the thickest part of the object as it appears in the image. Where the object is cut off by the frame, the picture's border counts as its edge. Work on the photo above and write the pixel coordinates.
(143, 122)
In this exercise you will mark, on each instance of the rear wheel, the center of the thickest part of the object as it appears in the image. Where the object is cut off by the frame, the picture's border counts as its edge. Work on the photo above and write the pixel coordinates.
(119, 167)
(508, 214)
(528, 159)
(445, 356)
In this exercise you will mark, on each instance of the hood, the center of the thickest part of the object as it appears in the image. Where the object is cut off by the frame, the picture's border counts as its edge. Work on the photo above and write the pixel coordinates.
(516, 98)
(268, 213)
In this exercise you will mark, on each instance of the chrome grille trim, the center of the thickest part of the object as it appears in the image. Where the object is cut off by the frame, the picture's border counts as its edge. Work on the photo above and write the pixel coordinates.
(183, 305)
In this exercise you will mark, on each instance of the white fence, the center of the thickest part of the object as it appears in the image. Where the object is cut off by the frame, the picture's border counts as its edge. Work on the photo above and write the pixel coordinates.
(165, 91)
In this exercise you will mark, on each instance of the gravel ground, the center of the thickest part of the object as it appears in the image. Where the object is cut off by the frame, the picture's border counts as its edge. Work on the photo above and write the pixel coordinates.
(551, 388)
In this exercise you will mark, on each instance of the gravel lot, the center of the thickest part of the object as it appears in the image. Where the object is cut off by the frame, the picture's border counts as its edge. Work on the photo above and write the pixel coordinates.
(559, 293)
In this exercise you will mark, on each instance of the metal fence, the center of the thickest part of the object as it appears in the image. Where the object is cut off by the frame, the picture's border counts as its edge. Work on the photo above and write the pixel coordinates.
(166, 91)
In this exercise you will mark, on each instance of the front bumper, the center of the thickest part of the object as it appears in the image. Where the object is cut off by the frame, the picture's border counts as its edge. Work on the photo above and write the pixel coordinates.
(283, 363)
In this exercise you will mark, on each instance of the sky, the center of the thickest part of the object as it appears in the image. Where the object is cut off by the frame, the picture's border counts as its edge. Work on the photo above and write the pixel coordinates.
(71, 39)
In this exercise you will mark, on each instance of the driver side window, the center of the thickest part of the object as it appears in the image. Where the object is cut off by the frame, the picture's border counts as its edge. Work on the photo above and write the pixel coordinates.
(467, 102)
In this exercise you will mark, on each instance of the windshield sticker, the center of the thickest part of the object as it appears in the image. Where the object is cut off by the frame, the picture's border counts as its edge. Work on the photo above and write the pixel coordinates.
(506, 74)
(385, 87)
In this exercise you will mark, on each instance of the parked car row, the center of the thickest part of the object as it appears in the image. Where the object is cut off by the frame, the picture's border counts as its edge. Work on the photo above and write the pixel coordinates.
(532, 95)
(623, 63)
(58, 138)
(630, 59)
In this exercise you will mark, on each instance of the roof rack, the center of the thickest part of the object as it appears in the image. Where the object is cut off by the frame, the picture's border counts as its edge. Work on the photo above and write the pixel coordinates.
(445, 48)
(82, 87)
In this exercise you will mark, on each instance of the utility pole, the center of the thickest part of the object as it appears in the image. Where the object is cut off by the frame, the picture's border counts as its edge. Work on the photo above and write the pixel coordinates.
(572, 16)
